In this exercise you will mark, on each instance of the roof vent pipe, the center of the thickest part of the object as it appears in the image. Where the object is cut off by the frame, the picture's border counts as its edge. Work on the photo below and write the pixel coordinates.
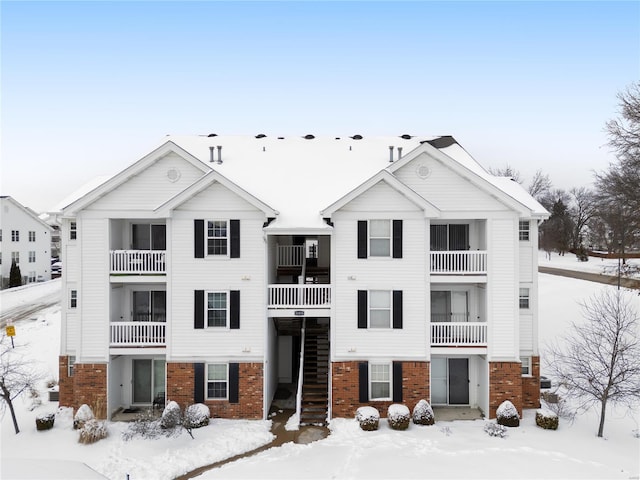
(399, 153)
(390, 153)
(211, 154)
(219, 154)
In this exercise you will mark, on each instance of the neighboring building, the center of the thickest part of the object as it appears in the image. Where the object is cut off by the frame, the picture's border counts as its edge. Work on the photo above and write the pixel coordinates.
(191, 274)
(26, 239)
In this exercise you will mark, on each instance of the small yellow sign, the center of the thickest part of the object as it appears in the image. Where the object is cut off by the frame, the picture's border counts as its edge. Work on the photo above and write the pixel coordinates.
(11, 331)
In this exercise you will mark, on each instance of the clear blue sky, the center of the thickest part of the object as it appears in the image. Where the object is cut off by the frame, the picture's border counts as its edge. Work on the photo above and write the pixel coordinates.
(89, 87)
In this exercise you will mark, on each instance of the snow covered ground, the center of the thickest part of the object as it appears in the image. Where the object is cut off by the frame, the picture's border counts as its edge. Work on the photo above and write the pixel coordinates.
(459, 449)
(569, 261)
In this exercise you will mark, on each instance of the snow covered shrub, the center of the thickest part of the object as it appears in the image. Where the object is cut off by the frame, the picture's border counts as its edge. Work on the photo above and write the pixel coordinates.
(423, 413)
(196, 416)
(171, 416)
(495, 430)
(34, 399)
(144, 426)
(560, 407)
(368, 418)
(83, 415)
(398, 416)
(507, 414)
(45, 422)
(92, 431)
(546, 419)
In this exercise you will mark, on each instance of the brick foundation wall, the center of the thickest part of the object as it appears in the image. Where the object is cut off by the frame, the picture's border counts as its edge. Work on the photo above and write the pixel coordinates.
(65, 383)
(531, 386)
(90, 387)
(181, 383)
(505, 383)
(345, 388)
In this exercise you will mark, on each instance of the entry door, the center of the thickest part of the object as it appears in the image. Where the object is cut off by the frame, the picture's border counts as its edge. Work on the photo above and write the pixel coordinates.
(142, 381)
(458, 381)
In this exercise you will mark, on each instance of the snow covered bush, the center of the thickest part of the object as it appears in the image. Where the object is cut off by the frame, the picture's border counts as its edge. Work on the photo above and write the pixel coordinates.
(92, 431)
(82, 416)
(171, 415)
(144, 426)
(507, 415)
(196, 416)
(368, 418)
(398, 416)
(45, 422)
(546, 419)
(423, 413)
(495, 430)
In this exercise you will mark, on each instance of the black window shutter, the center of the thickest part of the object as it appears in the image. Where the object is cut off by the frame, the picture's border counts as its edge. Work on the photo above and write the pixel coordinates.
(198, 238)
(198, 309)
(234, 374)
(397, 382)
(363, 381)
(397, 239)
(235, 238)
(397, 309)
(234, 320)
(362, 239)
(362, 309)
(198, 382)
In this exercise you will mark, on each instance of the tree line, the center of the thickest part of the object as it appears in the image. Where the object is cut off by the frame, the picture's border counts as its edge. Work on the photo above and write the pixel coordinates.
(607, 215)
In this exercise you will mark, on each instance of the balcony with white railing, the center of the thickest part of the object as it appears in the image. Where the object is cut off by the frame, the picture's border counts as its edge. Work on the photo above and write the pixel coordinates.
(459, 334)
(137, 262)
(458, 262)
(299, 296)
(138, 334)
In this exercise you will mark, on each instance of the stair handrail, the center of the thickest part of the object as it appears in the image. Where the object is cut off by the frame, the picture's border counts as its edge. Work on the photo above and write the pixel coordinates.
(300, 372)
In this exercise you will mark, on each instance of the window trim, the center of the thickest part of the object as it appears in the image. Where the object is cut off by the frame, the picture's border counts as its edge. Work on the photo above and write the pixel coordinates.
(15, 257)
(206, 382)
(388, 238)
(389, 382)
(32, 258)
(15, 235)
(73, 231)
(227, 238)
(227, 309)
(32, 235)
(390, 310)
(71, 363)
(528, 373)
(524, 299)
(73, 298)
(524, 234)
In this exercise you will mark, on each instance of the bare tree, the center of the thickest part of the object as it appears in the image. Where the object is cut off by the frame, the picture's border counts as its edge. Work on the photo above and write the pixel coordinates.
(540, 185)
(506, 171)
(582, 210)
(598, 361)
(17, 374)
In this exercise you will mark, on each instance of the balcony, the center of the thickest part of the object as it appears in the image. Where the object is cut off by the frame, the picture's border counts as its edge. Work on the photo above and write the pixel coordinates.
(459, 262)
(138, 334)
(459, 334)
(137, 262)
(299, 300)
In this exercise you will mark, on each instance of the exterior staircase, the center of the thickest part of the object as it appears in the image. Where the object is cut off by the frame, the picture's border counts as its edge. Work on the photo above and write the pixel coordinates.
(315, 386)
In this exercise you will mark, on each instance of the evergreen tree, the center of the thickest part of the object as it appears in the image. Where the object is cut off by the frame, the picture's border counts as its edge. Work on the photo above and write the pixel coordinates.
(15, 277)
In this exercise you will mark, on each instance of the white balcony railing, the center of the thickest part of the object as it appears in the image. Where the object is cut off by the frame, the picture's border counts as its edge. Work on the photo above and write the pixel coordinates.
(299, 296)
(462, 262)
(289, 255)
(137, 262)
(138, 334)
(459, 334)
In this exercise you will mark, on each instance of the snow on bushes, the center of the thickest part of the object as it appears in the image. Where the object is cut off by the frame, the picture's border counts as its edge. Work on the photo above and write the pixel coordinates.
(92, 431)
(171, 415)
(196, 416)
(546, 419)
(398, 416)
(368, 418)
(507, 414)
(82, 416)
(495, 430)
(45, 422)
(423, 413)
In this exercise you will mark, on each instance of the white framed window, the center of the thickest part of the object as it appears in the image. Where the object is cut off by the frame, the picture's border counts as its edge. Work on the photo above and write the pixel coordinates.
(379, 381)
(217, 237)
(379, 309)
(15, 235)
(524, 298)
(32, 236)
(15, 257)
(32, 257)
(73, 230)
(526, 366)
(31, 278)
(379, 238)
(217, 309)
(523, 230)
(71, 365)
(217, 381)
(73, 298)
